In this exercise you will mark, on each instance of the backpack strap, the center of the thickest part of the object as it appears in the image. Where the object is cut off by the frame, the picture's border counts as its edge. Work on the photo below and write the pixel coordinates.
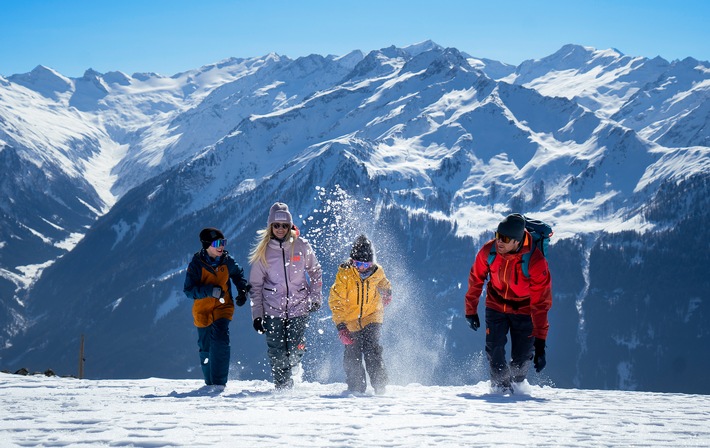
(526, 262)
(537, 244)
(492, 255)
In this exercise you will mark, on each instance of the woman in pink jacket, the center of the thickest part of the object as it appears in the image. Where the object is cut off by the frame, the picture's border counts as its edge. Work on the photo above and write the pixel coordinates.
(286, 281)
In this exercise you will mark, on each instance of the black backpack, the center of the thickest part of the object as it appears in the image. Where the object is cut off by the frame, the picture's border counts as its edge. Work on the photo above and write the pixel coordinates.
(540, 232)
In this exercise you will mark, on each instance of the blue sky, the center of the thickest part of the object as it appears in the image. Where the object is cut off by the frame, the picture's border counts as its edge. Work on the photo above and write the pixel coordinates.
(170, 36)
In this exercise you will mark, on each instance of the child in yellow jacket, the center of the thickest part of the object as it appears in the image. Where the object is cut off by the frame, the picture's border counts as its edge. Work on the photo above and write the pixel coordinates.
(357, 300)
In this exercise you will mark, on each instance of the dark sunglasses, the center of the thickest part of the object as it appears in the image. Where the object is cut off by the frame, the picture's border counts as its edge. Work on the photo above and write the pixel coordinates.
(285, 225)
(219, 243)
(504, 238)
(362, 264)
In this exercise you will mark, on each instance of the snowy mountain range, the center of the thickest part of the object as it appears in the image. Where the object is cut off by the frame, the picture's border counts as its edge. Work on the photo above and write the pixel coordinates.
(425, 148)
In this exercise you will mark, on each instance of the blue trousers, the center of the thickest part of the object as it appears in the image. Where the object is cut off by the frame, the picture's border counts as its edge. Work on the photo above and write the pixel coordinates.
(520, 327)
(286, 342)
(213, 342)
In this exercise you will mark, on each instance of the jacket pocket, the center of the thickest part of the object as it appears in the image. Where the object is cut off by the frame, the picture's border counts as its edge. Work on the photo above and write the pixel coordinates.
(303, 292)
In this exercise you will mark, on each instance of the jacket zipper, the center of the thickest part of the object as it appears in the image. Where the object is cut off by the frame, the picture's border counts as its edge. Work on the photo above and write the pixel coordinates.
(507, 285)
(359, 301)
(362, 296)
(283, 257)
(514, 278)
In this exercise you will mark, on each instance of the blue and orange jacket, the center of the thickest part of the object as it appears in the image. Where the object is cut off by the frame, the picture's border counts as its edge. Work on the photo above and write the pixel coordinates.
(509, 290)
(202, 276)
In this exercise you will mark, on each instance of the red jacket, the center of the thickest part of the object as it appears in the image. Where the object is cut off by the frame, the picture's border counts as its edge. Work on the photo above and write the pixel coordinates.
(509, 291)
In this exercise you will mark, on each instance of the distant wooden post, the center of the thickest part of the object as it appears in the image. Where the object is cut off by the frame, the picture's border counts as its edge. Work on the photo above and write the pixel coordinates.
(81, 358)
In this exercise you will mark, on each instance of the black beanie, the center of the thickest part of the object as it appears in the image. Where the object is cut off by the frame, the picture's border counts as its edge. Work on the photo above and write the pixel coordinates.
(362, 249)
(513, 226)
(208, 235)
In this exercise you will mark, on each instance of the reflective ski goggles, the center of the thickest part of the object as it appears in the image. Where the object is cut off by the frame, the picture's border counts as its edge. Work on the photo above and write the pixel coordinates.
(284, 225)
(504, 238)
(362, 264)
(219, 243)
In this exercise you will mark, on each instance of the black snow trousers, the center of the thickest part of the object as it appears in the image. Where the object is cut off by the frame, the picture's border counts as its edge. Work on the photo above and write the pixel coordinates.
(286, 345)
(520, 327)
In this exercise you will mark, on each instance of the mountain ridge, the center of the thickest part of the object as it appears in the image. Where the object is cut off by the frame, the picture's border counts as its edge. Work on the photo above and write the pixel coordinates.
(418, 142)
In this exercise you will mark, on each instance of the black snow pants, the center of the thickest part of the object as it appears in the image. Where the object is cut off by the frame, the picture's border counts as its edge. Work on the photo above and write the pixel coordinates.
(520, 327)
(286, 345)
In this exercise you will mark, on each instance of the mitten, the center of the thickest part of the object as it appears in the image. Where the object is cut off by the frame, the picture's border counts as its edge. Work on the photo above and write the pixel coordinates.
(386, 296)
(313, 307)
(259, 325)
(242, 298)
(539, 359)
(344, 334)
(473, 321)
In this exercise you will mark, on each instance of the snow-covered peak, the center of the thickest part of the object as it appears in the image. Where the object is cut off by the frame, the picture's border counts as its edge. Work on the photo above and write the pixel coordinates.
(45, 81)
(145, 76)
(351, 59)
(436, 60)
(224, 63)
(117, 77)
(90, 89)
(422, 47)
(391, 52)
(674, 108)
(573, 60)
(494, 69)
(575, 56)
(378, 63)
(602, 80)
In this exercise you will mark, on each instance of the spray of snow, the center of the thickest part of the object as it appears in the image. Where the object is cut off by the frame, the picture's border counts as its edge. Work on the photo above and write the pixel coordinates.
(411, 351)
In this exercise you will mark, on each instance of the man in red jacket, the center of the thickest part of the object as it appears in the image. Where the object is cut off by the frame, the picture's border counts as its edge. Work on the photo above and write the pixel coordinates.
(515, 303)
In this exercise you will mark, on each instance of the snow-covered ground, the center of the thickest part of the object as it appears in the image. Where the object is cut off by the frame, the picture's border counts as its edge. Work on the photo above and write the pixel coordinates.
(51, 411)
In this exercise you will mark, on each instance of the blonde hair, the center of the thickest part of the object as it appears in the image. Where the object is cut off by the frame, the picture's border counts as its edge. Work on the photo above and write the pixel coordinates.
(263, 236)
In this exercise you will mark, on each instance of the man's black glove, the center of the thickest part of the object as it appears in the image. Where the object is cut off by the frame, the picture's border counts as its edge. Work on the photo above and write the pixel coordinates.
(259, 325)
(473, 321)
(539, 359)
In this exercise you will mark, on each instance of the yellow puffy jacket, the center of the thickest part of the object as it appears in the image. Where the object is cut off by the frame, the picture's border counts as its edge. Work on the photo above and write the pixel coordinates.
(357, 302)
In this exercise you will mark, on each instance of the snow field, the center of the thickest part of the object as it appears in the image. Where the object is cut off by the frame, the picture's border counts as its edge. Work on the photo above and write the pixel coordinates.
(51, 411)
